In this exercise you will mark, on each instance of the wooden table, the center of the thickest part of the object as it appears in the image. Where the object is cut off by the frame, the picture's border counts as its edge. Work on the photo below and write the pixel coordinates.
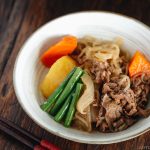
(18, 20)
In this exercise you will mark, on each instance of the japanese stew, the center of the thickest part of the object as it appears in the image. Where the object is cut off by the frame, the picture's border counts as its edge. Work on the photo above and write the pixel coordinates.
(93, 84)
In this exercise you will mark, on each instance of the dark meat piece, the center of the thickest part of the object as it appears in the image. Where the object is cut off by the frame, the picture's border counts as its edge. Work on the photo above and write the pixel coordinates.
(118, 123)
(119, 104)
(104, 126)
(143, 112)
(123, 62)
(101, 71)
(100, 116)
(101, 123)
(104, 71)
(122, 105)
(141, 87)
(113, 110)
(109, 87)
(125, 99)
(119, 98)
(123, 123)
(131, 107)
(96, 97)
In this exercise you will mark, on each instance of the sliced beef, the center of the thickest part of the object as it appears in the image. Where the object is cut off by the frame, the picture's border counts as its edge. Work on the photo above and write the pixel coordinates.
(123, 62)
(104, 126)
(141, 87)
(119, 99)
(99, 71)
(143, 112)
(119, 104)
(131, 106)
(123, 106)
(124, 98)
(113, 110)
(123, 123)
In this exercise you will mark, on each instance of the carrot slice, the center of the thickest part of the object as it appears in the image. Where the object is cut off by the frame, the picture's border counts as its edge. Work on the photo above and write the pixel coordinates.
(64, 47)
(139, 64)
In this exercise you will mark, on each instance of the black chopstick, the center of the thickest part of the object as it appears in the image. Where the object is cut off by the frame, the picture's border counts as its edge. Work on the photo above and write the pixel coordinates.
(20, 130)
(6, 129)
(25, 137)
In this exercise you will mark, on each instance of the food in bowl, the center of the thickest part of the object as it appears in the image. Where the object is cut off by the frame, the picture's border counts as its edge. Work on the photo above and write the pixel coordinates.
(93, 84)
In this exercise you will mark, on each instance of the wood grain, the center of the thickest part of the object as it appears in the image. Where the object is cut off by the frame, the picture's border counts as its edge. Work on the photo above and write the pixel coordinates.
(18, 20)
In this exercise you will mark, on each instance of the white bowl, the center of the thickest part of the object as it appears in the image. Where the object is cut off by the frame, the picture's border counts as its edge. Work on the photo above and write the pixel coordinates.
(28, 70)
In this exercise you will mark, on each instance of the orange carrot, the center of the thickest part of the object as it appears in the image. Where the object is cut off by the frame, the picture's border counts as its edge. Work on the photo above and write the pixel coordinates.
(64, 47)
(139, 64)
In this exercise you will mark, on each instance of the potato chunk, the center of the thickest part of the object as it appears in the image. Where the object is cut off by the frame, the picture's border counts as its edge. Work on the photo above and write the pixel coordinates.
(57, 73)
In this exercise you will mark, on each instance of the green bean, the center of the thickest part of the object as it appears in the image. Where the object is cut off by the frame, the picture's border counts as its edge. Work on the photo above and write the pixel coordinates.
(69, 87)
(72, 106)
(58, 117)
(46, 106)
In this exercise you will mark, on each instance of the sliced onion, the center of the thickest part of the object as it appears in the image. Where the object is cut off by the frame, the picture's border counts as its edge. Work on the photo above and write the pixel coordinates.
(103, 57)
(84, 121)
(118, 41)
(107, 51)
(88, 96)
(100, 50)
(94, 113)
(125, 78)
(115, 51)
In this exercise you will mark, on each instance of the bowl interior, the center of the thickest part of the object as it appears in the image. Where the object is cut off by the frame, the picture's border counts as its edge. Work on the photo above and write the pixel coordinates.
(29, 71)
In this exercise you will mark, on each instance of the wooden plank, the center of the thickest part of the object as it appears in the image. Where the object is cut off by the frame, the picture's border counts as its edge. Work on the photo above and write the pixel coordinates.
(9, 107)
(23, 19)
(10, 27)
(4, 15)
(10, 24)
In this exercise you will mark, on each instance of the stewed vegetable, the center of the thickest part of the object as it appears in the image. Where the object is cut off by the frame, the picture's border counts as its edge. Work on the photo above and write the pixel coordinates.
(69, 87)
(46, 106)
(63, 100)
(72, 108)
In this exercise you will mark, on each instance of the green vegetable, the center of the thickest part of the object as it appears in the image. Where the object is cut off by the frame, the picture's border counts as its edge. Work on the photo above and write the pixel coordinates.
(46, 106)
(69, 87)
(72, 106)
(63, 110)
